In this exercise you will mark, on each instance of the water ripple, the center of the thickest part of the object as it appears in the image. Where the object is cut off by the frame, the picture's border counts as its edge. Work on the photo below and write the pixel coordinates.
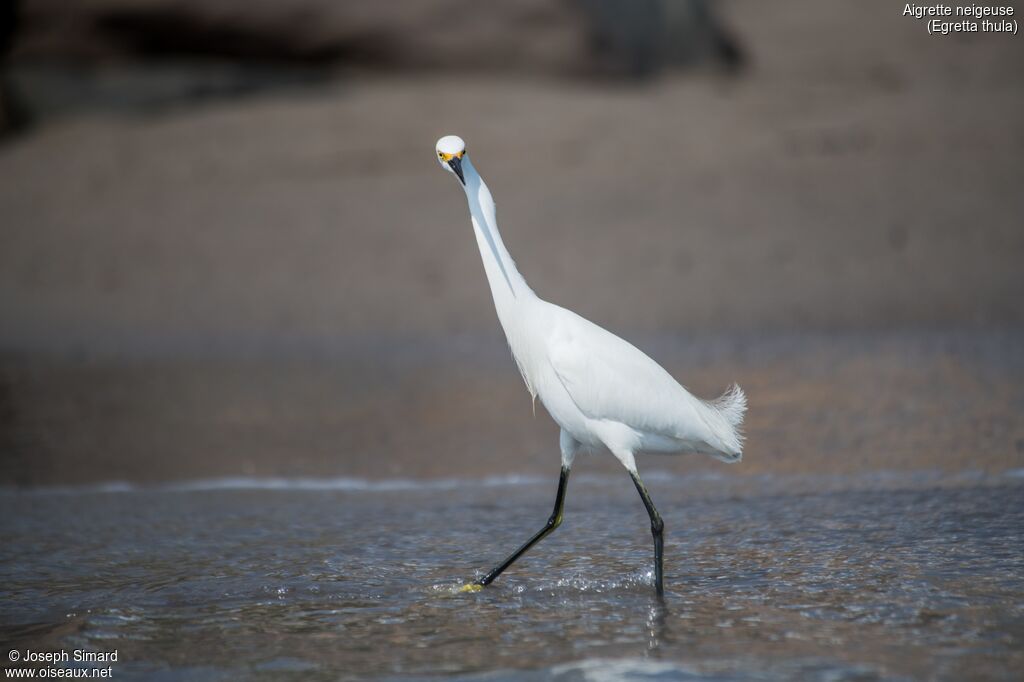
(300, 582)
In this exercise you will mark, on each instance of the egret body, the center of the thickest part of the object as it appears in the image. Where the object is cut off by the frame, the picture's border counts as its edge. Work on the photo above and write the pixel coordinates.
(602, 391)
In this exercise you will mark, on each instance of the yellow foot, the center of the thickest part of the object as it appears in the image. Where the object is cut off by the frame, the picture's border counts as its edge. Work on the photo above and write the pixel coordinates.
(471, 587)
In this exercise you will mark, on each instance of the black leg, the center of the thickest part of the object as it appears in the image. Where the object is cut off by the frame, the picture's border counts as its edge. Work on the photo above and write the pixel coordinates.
(554, 521)
(657, 530)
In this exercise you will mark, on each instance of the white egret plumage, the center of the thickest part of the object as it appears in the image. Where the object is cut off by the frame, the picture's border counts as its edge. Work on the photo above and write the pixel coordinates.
(602, 391)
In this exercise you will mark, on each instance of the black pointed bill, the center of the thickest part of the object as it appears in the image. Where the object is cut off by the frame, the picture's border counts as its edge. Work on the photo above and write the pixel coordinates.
(455, 163)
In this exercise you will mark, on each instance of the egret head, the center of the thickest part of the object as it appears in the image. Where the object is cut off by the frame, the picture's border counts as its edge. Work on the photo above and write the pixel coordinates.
(450, 150)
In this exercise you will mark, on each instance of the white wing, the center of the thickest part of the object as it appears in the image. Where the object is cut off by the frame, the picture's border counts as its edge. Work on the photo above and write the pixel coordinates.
(609, 378)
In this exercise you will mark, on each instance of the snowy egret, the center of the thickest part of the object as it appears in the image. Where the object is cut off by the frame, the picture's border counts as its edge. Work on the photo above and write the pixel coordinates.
(602, 391)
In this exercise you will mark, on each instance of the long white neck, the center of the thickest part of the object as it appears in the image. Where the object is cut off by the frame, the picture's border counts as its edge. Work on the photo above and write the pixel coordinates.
(508, 288)
(512, 296)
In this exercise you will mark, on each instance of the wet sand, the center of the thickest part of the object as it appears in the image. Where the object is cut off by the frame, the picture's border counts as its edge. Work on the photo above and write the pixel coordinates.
(869, 185)
(822, 404)
(286, 285)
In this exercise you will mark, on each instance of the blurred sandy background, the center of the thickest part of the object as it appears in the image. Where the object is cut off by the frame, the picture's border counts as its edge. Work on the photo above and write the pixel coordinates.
(226, 249)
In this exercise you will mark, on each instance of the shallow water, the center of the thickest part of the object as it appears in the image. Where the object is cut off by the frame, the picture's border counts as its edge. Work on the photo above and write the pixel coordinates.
(883, 577)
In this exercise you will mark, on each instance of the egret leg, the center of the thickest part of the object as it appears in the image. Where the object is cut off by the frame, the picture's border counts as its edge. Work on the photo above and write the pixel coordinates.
(657, 530)
(554, 521)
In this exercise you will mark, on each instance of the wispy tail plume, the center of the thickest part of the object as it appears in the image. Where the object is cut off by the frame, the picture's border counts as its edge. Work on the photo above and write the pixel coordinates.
(733, 406)
(729, 408)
